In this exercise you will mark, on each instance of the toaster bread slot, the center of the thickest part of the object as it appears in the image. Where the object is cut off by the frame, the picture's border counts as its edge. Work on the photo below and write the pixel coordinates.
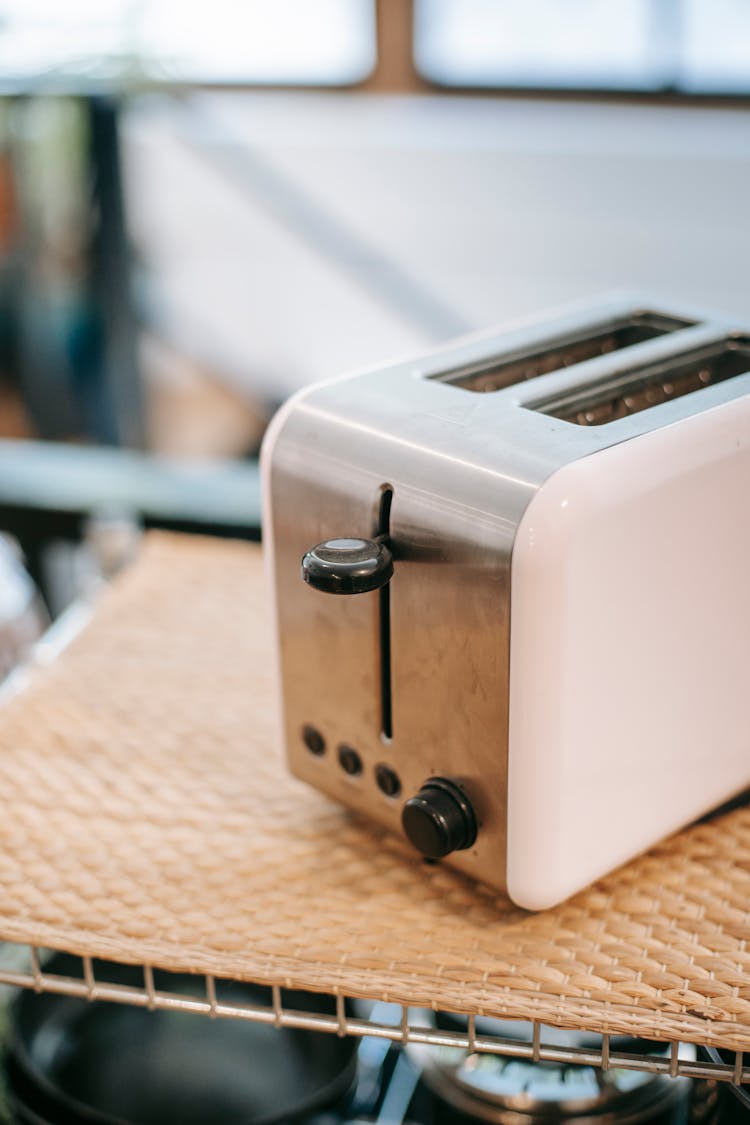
(646, 387)
(588, 342)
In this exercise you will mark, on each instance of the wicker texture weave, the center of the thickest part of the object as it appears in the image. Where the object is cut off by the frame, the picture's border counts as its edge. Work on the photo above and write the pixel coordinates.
(147, 817)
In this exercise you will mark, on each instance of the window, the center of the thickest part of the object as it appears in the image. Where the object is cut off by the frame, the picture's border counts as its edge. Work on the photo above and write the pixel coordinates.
(296, 42)
(690, 46)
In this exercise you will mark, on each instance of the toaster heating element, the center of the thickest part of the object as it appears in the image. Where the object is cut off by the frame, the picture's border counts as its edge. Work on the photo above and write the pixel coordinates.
(511, 591)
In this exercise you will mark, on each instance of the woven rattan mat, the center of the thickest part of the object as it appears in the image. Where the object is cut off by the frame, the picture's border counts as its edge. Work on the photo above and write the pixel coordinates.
(147, 818)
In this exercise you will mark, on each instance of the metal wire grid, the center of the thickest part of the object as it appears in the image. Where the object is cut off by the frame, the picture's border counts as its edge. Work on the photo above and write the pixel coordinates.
(402, 1030)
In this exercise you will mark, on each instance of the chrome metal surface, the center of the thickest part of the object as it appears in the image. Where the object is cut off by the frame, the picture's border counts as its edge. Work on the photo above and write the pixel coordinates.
(462, 468)
(23, 967)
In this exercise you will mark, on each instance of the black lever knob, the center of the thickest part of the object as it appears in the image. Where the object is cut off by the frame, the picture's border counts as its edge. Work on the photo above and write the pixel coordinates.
(348, 566)
(439, 819)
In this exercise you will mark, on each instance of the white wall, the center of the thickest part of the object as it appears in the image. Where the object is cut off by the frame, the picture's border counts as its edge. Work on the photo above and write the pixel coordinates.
(294, 236)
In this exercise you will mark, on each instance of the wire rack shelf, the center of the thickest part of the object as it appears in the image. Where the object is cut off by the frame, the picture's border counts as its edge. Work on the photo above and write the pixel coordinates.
(25, 970)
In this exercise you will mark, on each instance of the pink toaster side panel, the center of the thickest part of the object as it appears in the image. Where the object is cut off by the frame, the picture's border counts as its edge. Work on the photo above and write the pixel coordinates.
(630, 651)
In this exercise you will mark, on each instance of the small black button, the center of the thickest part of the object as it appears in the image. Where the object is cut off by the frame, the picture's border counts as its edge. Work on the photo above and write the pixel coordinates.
(313, 740)
(350, 761)
(439, 819)
(348, 566)
(387, 780)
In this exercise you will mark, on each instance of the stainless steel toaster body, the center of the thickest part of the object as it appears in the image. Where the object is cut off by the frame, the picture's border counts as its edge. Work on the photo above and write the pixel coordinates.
(489, 696)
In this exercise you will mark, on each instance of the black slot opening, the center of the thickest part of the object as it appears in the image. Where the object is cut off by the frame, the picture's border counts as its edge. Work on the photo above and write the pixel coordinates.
(646, 387)
(594, 340)
(384, 594)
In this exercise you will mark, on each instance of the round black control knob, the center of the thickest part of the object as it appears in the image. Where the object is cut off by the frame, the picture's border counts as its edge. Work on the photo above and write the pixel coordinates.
(439, 819)
(348, 566)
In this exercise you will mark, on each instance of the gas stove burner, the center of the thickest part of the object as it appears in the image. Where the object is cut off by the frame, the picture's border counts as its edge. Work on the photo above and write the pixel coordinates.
(70, 1061)
(515, 1091)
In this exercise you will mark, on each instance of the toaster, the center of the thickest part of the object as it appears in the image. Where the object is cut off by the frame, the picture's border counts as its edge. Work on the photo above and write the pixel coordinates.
(512, 593)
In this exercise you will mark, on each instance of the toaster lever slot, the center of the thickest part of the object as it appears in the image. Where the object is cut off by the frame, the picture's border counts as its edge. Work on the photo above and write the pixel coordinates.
(350, 565)
(384, 615)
